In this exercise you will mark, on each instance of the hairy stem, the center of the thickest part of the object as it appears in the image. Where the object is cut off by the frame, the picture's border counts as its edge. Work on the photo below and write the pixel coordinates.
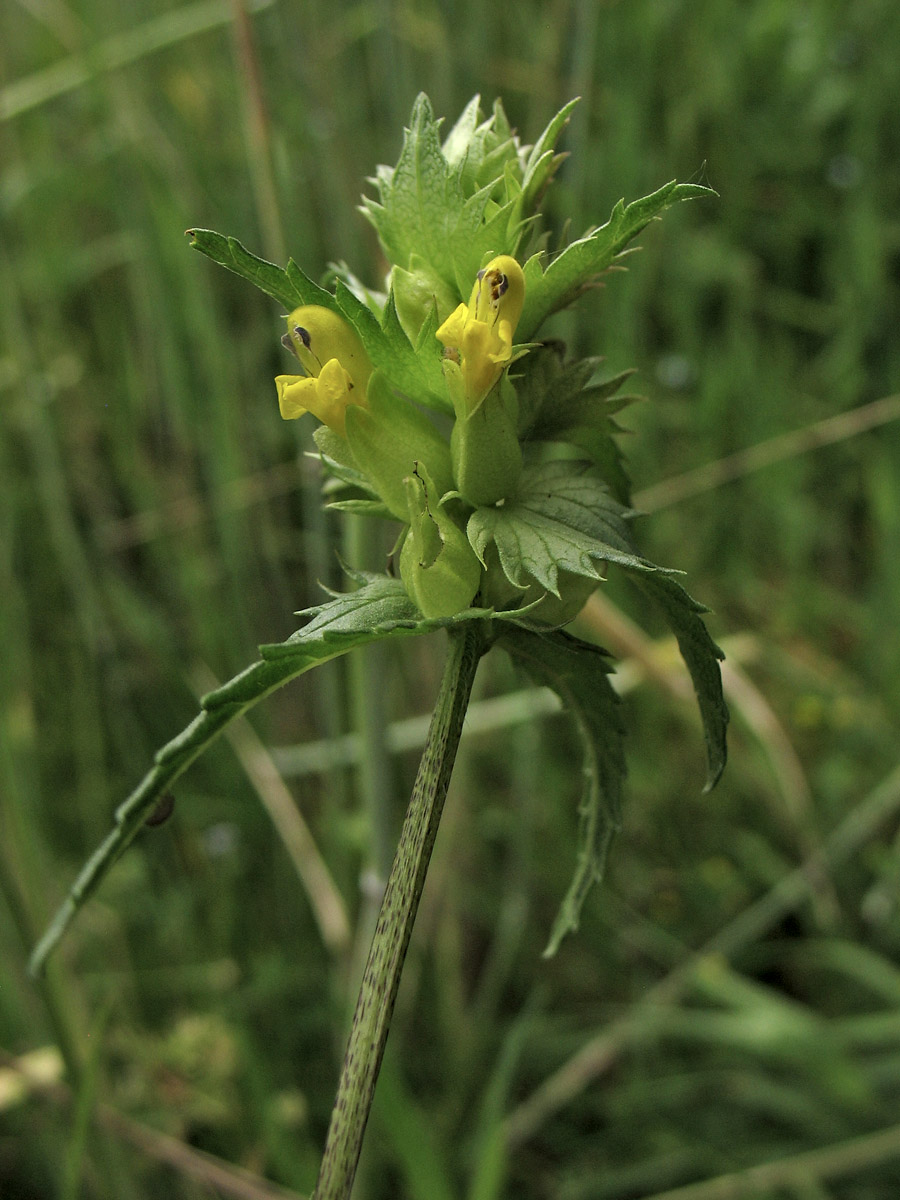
(372, 1018)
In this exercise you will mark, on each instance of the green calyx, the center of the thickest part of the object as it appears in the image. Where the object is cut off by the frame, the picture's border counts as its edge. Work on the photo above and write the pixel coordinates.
(437, 565)
(388, 437)
(484, 444)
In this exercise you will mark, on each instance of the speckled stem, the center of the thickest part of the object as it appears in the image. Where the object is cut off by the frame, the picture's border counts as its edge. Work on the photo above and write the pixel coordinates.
(381, 978)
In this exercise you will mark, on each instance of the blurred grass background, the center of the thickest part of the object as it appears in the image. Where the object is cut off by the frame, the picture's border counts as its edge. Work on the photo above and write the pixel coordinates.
(733, 996)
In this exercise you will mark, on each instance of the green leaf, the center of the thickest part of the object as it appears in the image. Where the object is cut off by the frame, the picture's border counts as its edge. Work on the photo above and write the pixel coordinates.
(307, 291)
(229, 253)
(371, 297)
(582, 416)
(562, 518)
(334, 450)
(363, 320)
(579, 674)
(481, 149)
(541, 375)
(421, 198)
(290, 286)
(418, 292)
(457, 142)
(362, 508)
(490, 156)
(542, 163)
(414, 370)
(340, 467)
(379, 609)
(483, 231)
(547, 141)
(701, 656)
(575, 268)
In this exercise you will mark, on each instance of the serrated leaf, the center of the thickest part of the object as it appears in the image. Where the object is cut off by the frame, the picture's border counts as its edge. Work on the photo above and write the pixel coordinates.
(496, 162)
(420, 199)
(483, 151)
(541, 374)
(416, 371)
(379, 609)
(569, 402)
(583, 417)
(562, 518)
(458, 139)
(427, 339)
(549, 137)
(579, 674)
(413, 370)
(483, 231)
(570, 272)
(292, 287)
(371, 297)
(306, 290)
(229, 253)
(701, 656)
(542, 162)
(548, 388)
(362, 318)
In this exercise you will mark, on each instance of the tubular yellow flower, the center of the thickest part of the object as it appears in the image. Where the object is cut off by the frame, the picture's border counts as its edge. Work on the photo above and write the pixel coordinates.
(336, 363)
(482, 330)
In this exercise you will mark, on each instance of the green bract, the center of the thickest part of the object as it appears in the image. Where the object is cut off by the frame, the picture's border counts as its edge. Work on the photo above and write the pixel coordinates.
(444, 412)
(388, 437)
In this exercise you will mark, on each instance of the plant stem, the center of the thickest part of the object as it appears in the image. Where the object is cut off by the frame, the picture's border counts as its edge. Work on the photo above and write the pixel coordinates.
(381, 978)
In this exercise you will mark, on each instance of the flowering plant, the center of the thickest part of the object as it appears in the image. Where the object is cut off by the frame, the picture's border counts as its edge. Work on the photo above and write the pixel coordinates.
(440, 408)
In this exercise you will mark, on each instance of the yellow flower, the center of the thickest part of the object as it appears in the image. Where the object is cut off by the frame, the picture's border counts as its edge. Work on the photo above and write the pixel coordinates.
(336, 364)
(481, 331)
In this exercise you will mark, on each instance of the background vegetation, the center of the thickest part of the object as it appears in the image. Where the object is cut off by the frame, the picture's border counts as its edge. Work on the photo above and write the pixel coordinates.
(733, 996)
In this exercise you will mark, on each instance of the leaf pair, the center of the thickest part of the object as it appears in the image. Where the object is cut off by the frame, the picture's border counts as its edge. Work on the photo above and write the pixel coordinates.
(379, 610)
